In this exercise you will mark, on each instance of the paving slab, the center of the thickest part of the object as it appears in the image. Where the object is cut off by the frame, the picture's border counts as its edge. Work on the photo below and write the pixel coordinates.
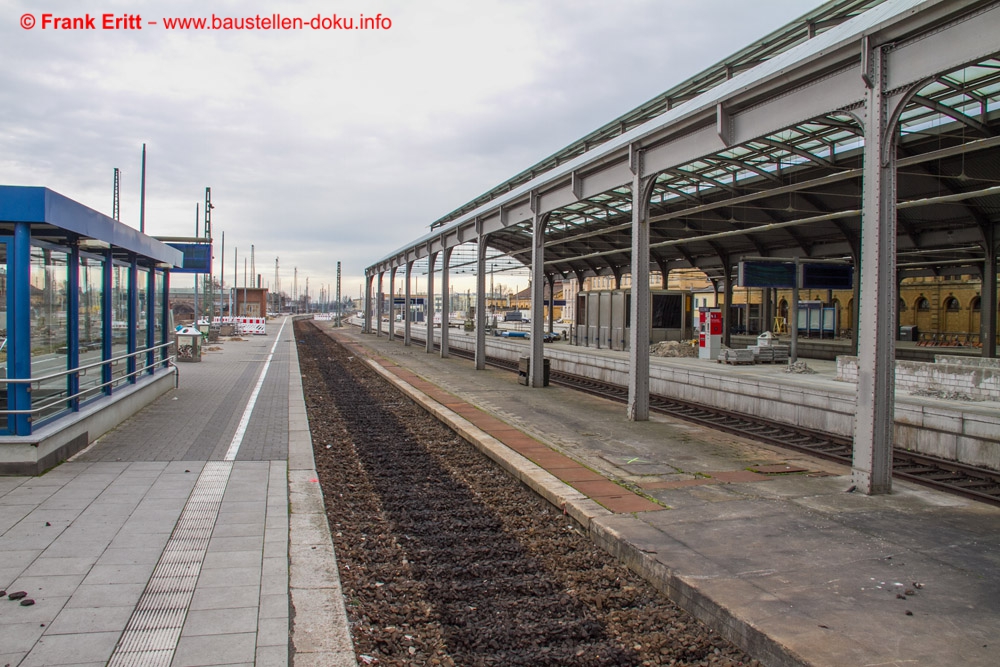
(87, 538)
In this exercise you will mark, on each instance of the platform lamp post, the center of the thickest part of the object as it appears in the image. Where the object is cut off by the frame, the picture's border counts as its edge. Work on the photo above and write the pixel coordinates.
(338, 295)
(209, 288)
(197, 233)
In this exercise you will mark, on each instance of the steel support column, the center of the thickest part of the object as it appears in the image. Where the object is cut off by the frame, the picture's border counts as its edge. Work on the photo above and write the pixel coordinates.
(379, 300)
(407, 310)
(575, 323)
(552, 302)
(793, 319)
(896, 325)
(537, 354)
(856, 306)
(366, 327)
(766, 314)
(429, 308)
(392, 303)
(481, 303)
(638, 355)
(988, 297)
(873, 425)
(727, 297)
(445, 300)
(664, 273)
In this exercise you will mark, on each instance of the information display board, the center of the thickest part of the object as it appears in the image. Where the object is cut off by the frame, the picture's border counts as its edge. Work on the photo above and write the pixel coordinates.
(197, 257)
(766, 273)
(781, 274)
(814, 275)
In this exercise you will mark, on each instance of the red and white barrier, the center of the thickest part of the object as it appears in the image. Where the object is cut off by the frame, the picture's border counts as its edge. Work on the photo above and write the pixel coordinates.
(244, 325)
(251, 325)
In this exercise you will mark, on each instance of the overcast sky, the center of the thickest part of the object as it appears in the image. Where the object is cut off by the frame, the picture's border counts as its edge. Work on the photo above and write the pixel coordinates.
(324, 145)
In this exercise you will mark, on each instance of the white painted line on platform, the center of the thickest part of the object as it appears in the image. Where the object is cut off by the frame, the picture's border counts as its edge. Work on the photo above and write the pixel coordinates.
(234, 446)
(151, 637)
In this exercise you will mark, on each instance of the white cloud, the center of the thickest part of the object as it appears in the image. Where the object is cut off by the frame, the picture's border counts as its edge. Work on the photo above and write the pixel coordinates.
(326, 146)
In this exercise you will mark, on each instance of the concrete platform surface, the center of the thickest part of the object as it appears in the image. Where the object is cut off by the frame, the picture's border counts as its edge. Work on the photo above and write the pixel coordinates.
(193, 534)
(210, 496)
(768, 546)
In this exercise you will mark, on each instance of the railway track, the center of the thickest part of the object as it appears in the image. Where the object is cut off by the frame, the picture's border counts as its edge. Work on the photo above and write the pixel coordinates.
(972, 482)
(447, 560)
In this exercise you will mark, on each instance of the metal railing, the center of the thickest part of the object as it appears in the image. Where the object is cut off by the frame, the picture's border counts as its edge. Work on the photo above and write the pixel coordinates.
(167, 362)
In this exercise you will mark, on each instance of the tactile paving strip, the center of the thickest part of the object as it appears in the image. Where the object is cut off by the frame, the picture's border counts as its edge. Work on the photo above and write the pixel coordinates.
(150, 638)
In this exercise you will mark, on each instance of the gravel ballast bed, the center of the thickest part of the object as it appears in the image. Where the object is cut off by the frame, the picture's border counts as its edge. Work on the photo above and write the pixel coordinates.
(446, 560)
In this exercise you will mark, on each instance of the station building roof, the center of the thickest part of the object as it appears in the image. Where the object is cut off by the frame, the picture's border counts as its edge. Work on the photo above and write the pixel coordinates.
(761, 155)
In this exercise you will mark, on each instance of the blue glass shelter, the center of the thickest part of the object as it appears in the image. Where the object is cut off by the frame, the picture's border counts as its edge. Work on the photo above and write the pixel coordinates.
(86, 329)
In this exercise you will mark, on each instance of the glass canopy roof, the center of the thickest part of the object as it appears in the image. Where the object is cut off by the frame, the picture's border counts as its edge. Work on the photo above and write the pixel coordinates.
(794, 192)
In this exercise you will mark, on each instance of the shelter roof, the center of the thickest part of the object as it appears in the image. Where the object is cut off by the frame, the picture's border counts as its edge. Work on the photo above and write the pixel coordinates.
(60, 220)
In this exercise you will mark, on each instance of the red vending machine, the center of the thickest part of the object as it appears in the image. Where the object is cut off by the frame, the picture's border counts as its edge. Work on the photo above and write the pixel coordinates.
(709, 333)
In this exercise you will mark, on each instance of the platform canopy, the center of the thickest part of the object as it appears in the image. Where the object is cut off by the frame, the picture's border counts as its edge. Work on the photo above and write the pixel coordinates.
(761, 155)
(57, 219)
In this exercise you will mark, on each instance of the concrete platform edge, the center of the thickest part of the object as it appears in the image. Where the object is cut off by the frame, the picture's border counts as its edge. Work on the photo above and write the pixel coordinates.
(610, 536)
(582, 509)
(320, 630)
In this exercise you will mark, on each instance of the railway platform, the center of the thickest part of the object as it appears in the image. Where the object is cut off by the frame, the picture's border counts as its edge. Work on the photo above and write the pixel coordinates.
(948, 410)
(770, 547)
(193, 534)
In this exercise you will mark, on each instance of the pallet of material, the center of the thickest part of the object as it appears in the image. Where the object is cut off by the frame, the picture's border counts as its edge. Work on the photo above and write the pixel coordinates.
(736, 357)
(780, 354)
(762, 354)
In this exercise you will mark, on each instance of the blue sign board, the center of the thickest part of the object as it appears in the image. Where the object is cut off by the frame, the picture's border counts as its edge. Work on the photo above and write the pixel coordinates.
(197, 257)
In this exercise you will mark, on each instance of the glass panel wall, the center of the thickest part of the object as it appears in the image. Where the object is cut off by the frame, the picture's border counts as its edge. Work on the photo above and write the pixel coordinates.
(48, 295)
(119, 322)
(142, 342)
(4, 426)
(91, 331)
(160, 308)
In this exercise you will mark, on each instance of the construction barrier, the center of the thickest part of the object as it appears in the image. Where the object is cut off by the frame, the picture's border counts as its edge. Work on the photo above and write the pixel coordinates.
(244, 325)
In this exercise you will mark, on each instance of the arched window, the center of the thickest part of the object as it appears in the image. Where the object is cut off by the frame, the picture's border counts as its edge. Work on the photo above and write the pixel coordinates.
(951, 304)
(923, 304)
(976, 305)
(902, 306)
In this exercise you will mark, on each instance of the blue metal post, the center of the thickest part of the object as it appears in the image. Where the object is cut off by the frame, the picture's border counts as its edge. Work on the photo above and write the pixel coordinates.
(19, 333)
(107, 317)
(8, 403)
(133, 315)
(73, 327)
(150, 318)
(165, 352)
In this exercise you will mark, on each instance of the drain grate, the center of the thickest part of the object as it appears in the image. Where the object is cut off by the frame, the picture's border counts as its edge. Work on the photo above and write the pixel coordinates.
(151, 635)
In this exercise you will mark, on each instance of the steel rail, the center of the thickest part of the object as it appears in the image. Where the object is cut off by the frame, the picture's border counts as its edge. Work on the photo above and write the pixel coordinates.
(972, 482)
